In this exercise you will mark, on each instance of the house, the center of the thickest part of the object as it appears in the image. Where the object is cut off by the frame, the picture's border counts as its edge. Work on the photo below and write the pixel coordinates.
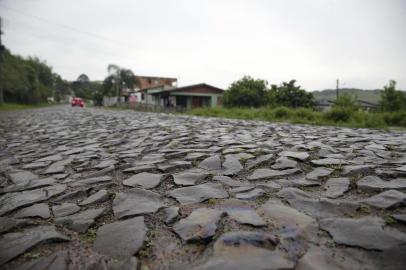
(325, 105)
(191, 96)
(150, 81)
(146, 82)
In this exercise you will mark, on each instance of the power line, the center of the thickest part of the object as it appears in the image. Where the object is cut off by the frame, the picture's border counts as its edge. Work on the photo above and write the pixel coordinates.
(90, 34)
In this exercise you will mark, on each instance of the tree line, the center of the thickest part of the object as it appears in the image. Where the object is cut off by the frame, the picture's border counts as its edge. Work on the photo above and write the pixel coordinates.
(254, 93)
(32, 81)
(250, 92)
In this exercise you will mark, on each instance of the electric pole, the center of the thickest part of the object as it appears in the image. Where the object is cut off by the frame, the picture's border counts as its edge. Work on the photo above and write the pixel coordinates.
(337, 89)
(1, 63)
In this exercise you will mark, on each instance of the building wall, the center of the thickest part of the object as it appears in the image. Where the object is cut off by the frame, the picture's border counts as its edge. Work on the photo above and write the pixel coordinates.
(149, 82)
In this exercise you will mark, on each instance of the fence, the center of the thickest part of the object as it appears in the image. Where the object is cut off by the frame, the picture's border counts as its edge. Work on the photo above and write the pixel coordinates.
(143, 107)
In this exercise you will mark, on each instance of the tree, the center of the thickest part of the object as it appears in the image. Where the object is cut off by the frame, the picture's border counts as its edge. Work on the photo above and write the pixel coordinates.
(61, 87)
(84, 88)
(246, 92)
(83, 78)
(121, 78)
(391, 99)
(290, 95)
(347, 101)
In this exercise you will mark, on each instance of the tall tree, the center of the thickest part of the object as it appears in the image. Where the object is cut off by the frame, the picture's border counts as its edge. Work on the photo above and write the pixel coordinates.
(290, 95)
(246, 92)
(391, 99)
(120, 78)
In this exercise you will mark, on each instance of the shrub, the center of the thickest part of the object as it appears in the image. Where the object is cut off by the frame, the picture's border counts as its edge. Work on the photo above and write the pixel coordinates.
(395, 119)
(306, 114)
(373, 120)
(338, 114)
(282, 112)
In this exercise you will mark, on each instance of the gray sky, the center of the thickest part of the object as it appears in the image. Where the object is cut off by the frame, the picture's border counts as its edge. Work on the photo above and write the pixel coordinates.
(362, 42)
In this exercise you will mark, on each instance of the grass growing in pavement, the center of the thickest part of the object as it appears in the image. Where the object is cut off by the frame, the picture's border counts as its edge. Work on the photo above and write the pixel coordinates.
(16, 106)
(336, 117)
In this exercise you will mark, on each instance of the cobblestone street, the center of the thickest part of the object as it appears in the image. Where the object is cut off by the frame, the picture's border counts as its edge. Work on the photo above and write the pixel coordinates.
(107, 189)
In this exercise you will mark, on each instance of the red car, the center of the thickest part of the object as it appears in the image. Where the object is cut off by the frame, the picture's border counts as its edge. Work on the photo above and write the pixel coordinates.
(77, 102)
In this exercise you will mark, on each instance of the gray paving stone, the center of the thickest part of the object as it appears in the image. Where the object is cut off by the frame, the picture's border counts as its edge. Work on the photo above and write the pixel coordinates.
(198, 193)
(144, 180)
(121, 238)
(189, 178)
(11, 201)
(387, 199)
(200, 225)
(37, 210)
(211, 163)
(136, 202)
(65, 209)
(246, 251)
(297, 155)
(97, 197)
(81, 221)
(262, 174)
(14, 244)
(374, 183)
(8, 224)
(336, 187)
(366, 232)
(318, 173)
(171, 213)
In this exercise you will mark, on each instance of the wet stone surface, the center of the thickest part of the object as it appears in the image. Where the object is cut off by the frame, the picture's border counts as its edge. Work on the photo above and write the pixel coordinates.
(103, 189)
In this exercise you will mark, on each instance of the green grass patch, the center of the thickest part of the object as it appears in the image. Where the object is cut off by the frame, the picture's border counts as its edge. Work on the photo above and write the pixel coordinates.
(339, 116)
(16, 106)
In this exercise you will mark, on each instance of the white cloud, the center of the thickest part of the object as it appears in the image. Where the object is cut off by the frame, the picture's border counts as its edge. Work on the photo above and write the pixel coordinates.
(216, 41)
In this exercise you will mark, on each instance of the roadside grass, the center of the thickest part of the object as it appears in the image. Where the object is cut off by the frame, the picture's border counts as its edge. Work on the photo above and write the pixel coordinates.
(16, 106)
(341, 117)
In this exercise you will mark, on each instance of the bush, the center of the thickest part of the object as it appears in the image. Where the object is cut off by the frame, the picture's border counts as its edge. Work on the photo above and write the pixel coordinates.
(306, 114)
(395, 119)
(282, 112)
(373, 120)
(338, 114)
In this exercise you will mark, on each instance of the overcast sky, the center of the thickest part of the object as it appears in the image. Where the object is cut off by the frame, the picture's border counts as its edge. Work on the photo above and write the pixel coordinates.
(361, 42)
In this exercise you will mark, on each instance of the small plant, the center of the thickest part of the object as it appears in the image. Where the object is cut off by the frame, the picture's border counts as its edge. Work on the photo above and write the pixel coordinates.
(282, 112)
(258, 152)
(331, 244)
(338, 114)
(90, 236)
(363, 208)
(354, 179)
(111, 194)
(212, 201)
(389, 220)
(32, 255)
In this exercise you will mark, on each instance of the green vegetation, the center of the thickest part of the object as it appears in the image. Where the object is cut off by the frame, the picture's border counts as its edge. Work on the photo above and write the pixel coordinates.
(392, 100)
(32, 81)
(247, 92)
(89, 236)
(32, 255)
(335, 117)
(250, 99)
(25, 80)
(372, 96)
(15, 106)
(254, 93)
(84, 88)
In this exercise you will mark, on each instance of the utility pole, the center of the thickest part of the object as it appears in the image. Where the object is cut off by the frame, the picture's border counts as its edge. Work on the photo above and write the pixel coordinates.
(1, 63)
(337, 89)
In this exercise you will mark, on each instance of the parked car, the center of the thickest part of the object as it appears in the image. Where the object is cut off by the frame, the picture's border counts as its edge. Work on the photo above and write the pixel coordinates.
(77, 102)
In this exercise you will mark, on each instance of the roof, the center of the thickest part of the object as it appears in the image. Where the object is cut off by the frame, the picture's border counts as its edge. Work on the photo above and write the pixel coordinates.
(154, 87)
(157, 77)
(181, 88)
(196, 85)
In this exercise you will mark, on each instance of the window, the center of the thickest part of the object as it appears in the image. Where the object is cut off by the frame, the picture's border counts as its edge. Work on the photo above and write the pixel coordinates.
(142, 96)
